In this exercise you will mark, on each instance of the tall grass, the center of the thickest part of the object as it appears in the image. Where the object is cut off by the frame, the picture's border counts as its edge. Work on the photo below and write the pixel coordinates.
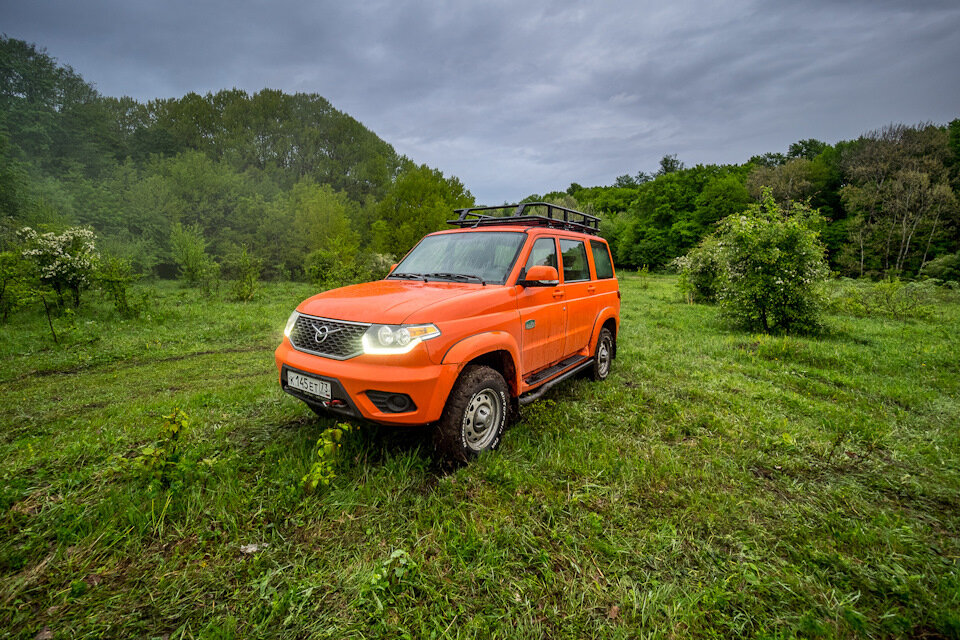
(718, 484)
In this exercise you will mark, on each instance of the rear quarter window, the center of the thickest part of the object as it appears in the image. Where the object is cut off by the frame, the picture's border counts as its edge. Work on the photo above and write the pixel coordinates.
(601, 260)
(575, 265)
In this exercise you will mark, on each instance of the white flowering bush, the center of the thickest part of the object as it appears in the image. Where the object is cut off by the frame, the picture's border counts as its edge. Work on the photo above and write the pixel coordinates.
(774, 266)
(65, 262)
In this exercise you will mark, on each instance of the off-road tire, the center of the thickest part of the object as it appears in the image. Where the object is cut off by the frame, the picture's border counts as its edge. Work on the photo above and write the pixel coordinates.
(475, 416)
(603, 356)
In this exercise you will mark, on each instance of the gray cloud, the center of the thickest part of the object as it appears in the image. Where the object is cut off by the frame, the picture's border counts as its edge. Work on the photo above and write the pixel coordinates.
(516, 98)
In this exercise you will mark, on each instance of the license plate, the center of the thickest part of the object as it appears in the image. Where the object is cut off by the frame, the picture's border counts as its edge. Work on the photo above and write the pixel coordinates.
(314, 387)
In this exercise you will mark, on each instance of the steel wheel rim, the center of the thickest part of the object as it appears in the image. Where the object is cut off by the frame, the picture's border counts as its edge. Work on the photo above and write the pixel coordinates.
(603, 358)
(482, 419)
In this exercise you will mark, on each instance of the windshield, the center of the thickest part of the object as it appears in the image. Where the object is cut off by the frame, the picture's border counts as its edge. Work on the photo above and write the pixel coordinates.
(482, 256)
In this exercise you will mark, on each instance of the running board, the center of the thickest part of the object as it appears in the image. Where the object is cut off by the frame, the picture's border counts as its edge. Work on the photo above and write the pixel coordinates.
(536, 394)
(554, 370)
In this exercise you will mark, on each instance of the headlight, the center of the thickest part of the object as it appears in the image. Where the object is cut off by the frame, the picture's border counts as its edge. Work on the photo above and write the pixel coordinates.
(392, 338)
(292, 320)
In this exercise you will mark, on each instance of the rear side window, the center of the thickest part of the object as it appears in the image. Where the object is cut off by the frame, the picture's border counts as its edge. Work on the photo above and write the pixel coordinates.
(544, 253)
(601, 260)
(575, 265)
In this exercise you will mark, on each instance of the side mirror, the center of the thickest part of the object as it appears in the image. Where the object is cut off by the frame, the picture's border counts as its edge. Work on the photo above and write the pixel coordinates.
(392, 267)
(540, 276)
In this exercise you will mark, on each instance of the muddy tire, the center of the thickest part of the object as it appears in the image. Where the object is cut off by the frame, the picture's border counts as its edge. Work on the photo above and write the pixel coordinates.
(477, 411)
(603, 356)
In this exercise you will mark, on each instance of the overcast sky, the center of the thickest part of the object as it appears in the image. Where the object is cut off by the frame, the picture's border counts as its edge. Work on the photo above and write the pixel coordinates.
(528, 96)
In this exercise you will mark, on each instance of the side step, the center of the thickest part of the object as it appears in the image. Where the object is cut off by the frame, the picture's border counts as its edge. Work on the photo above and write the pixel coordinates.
(576, 365)
(554, 370)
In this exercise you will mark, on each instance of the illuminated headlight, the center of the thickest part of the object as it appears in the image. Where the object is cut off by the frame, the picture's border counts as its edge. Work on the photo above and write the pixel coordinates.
(392, 338)
(291, 321)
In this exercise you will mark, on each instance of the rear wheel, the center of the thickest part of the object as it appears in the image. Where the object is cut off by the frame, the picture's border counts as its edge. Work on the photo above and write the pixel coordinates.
(603, 356)
(475, 415)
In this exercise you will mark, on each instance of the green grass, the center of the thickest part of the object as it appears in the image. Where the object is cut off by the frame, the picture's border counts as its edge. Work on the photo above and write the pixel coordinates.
(719, 484)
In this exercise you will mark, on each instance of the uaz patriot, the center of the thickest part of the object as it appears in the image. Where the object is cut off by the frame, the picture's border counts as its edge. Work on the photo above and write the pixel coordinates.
(473, 322)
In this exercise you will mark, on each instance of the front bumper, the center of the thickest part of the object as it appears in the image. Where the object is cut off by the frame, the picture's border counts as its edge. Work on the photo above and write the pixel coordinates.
(413, 374)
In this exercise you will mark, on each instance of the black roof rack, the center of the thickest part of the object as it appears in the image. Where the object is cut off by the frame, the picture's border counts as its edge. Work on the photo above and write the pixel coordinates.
(556, 216)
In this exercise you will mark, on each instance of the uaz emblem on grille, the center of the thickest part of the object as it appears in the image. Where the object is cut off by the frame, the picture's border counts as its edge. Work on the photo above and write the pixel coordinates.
(322, 332)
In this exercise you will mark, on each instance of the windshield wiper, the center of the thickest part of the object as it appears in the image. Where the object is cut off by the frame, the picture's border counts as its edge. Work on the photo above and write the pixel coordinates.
(407, 276)
(455, 276)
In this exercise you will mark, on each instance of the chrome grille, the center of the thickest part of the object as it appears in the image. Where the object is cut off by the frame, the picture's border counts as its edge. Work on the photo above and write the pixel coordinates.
(328, 338)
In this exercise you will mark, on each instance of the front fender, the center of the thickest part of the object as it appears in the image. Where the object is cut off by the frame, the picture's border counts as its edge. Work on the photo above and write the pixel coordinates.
(474, 346)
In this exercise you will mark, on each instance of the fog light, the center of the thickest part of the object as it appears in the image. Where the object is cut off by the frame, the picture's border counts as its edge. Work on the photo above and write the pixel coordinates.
(390, 402)
(398, 403)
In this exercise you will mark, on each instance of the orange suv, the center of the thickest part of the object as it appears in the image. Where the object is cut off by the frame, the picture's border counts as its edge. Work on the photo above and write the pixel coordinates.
(472, 323)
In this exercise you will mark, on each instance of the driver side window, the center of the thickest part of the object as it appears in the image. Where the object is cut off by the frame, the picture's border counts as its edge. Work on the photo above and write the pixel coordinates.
(544, 253)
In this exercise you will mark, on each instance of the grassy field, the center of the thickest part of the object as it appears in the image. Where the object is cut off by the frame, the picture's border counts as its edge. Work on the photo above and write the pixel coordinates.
(719, 484)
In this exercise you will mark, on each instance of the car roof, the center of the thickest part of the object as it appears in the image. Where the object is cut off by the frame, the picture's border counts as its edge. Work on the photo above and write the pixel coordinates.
(533, 230)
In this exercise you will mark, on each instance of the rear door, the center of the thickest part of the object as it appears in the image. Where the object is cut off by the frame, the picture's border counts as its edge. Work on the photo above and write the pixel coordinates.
(578, 290)
(542, 312)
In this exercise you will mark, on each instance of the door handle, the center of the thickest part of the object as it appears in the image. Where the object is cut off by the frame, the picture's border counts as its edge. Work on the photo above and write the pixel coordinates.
(558, 294)
(591, 289)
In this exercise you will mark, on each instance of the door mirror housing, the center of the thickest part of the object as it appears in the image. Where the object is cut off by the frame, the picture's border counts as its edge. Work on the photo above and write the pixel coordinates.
(540, 276)
(392, 267)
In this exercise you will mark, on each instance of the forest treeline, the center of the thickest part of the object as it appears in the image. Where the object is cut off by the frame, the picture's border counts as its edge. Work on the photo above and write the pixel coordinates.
(288, 176)
(889, 200)
(306, 188)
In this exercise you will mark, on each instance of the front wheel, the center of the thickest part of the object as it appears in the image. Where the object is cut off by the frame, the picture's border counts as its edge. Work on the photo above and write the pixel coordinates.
(476, 413)
(603, 357)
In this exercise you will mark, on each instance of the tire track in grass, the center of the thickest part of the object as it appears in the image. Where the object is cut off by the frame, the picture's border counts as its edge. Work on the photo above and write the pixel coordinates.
(125, 364)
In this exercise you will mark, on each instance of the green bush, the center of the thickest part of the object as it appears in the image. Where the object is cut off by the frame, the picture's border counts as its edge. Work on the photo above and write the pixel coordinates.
(946, 268)
(701, 271)
(14, 283)
(329, 269)
(245, 270)
(114, 276)
(774, 264)
(189, 249)
(889, 298)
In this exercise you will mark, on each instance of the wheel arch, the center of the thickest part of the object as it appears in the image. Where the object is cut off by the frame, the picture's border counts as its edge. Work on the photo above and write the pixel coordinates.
(607, 319)
(495, 349)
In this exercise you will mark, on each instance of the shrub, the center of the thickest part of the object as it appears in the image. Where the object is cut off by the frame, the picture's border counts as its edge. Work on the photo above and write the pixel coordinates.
(330, 269)
(774, 264)
(14, 283)
(114, 276)
(889, 298)
(189, 249)
(323, 470)
(246, 271)
(701, 271)
(65, 262)
(946, 267)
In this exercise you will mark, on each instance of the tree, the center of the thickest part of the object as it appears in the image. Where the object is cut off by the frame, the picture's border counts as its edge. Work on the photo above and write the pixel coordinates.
(773, 263)
(65, 262)
(790, 181)
(625, 181)
(769, 159)
(420, 201)
(669, 164)
(189, 249)
(809, 148)
(721, 196)
(898, 190)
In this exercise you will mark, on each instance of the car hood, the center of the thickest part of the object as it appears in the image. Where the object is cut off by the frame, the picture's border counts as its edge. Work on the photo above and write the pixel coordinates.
(382, 301)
